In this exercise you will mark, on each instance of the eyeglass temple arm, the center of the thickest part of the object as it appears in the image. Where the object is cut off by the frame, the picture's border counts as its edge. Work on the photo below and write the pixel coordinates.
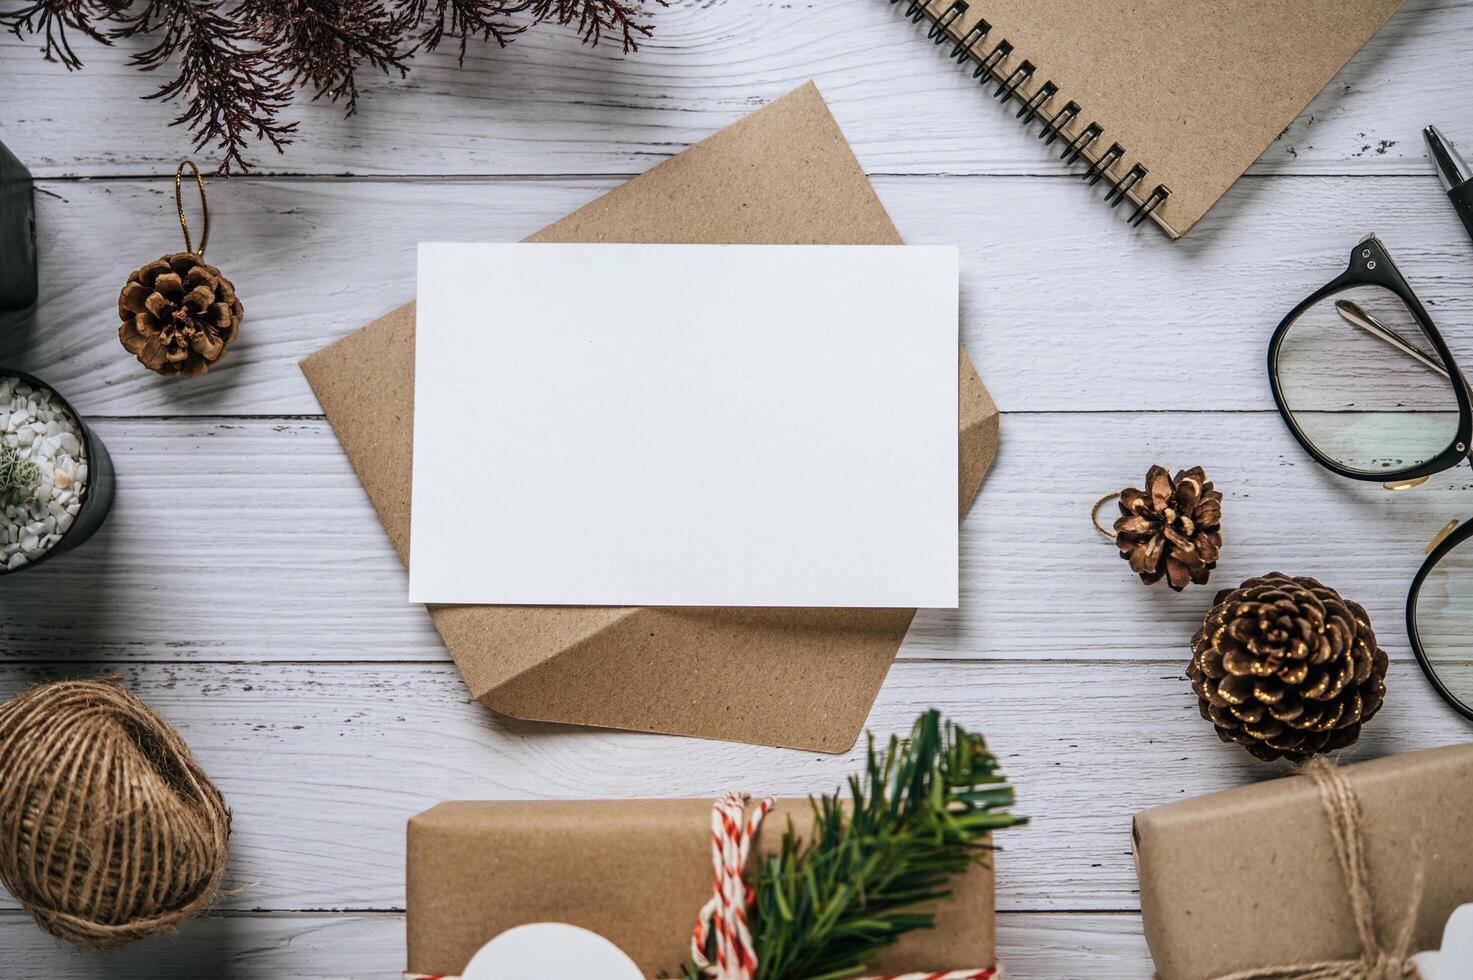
(1440, 536)
(1353, 313)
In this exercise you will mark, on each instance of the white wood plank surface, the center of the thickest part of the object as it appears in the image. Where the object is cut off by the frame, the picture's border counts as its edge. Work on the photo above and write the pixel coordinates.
(267, 517)
(322, 766)
(244, 587)
(1064, 308)
(544, 105)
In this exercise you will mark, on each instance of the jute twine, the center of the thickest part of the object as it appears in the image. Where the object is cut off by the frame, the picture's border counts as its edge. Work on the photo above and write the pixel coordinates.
(109, 830)
(1376, 962)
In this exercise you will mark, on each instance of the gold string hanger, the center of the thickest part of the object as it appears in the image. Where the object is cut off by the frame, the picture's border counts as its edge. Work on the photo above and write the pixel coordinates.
(204, 207)
(1094, 514)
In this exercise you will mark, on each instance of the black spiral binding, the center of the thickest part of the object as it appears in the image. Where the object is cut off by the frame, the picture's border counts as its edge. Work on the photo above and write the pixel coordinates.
(970, 46)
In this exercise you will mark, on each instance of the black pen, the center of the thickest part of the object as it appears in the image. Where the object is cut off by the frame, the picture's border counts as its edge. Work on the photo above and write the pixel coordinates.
(1457, 176)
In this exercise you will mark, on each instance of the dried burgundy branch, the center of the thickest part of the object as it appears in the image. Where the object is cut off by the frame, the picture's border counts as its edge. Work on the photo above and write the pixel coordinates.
(434, 20)
(320, 44)
(51, 19)
(238, 66)
(230, 88)
(597, 17)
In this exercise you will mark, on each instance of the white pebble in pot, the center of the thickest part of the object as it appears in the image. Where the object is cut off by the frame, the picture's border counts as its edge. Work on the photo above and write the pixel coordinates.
(43, 472)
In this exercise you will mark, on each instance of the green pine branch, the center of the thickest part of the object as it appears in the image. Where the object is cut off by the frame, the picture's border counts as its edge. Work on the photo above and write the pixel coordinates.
(824, 905)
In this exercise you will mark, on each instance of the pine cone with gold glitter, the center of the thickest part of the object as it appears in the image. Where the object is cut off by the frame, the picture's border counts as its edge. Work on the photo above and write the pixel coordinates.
(1286, 667)
(179, 315)
(1172, 528)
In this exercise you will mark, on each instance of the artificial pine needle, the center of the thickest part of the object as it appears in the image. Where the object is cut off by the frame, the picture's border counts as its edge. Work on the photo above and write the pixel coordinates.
(824, 905)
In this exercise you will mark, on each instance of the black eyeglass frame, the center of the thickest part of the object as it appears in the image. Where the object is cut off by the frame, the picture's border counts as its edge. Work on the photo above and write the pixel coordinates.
(1371, 265)
(1444, 546)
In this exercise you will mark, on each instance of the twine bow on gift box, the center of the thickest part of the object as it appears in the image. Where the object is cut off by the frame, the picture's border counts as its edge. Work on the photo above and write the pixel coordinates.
(1376, 962)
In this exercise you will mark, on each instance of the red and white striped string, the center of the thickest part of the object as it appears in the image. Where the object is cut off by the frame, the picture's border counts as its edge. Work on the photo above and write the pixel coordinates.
(732, 832)
(725, 915)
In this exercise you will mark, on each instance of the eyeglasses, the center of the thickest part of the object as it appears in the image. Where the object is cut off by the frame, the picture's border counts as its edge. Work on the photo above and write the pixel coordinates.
(1367, 386)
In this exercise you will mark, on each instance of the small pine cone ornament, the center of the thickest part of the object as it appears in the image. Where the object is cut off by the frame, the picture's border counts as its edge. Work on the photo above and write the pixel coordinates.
(179, 315)
(1172, 529)
(1286, 667)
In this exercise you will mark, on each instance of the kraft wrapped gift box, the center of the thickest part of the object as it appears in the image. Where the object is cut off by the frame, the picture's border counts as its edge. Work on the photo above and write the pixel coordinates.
(634, 871)
(1248, 878)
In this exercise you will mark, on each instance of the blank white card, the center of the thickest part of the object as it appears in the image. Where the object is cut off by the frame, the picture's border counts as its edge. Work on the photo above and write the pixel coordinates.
(693, 425)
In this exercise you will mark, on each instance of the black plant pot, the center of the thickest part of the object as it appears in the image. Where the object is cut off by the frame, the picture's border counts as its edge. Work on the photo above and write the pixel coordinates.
(101, 485)
(17, 234)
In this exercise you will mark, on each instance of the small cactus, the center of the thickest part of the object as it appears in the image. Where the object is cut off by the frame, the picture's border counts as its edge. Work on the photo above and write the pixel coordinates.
(16, 473)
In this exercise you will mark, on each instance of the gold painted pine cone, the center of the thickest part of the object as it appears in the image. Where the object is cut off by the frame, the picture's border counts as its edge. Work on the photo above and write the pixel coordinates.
(1286, 667)
(1172, 529)
(178, 314)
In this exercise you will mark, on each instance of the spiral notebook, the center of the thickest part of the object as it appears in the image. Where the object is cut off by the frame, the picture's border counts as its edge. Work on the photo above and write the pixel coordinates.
(1164, 102)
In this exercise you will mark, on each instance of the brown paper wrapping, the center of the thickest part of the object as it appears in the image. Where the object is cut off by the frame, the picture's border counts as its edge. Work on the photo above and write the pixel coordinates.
(801, 678)
(1248, 877)
(634, 871)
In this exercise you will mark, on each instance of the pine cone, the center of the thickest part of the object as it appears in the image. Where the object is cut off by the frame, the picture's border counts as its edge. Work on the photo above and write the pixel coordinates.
(179, 314)
(1286, 667)
(1173, 528)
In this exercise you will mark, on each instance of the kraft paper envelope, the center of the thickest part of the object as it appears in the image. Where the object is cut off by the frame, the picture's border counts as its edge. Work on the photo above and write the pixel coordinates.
(795, 677)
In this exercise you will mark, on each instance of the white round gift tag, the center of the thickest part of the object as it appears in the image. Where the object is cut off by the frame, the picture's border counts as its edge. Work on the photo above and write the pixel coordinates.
(551, 949)
(1454, 961)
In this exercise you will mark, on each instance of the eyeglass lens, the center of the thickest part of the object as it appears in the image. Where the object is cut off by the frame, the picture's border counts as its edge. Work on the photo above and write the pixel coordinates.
(1443, 619)
(1364, 385)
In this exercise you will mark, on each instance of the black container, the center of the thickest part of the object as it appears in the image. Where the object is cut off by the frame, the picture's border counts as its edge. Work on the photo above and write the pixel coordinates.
(100, 482)
(18, 282)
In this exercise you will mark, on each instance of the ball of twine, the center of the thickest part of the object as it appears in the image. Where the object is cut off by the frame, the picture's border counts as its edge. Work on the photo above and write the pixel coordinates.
(109, 830)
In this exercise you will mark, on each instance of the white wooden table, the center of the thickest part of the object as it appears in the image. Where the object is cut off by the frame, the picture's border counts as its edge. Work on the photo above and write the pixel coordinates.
(244, 587)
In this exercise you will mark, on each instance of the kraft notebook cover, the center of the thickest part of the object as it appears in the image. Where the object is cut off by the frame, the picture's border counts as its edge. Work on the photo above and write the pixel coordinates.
(1164, 102)
(795, 677)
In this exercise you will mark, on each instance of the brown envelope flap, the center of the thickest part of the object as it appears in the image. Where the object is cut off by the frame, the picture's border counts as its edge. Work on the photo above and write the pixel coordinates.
(801, 678)
(1258, 862)
(782, 175)
(634, 871)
